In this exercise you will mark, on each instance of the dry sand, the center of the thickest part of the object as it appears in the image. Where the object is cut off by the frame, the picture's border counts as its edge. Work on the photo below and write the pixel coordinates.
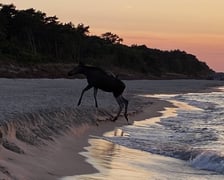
(54, 154)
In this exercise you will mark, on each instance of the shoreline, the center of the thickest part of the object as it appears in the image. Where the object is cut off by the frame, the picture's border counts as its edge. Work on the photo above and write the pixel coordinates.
(98, 161)
(113, 127)
(162, 109)
(60, 156)
(99, 150)
(60, 70)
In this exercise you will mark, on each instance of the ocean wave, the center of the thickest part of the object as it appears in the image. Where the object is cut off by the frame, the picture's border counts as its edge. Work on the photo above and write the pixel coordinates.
(195, 136)
(197, 158)
(209, 160)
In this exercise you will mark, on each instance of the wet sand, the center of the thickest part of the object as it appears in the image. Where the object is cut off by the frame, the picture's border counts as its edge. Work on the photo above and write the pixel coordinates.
(60, 156)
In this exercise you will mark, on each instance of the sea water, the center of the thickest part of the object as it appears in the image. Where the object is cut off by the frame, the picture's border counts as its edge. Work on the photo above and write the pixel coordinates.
(187, 144)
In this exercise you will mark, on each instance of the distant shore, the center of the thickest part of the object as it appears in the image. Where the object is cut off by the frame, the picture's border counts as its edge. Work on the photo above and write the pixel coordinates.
(60, 70)
(61, 129)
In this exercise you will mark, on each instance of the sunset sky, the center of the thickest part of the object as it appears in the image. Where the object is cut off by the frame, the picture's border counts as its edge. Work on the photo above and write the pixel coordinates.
(195, 26)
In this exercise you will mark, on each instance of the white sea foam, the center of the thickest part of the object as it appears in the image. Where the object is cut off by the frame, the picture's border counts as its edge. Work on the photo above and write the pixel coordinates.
(209, 160)
(195, 135)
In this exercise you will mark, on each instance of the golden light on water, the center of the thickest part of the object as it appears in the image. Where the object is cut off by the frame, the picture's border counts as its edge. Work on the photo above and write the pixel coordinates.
(118, 162)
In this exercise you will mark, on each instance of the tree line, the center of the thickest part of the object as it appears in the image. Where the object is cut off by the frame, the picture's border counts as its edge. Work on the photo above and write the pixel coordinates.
(30, 36)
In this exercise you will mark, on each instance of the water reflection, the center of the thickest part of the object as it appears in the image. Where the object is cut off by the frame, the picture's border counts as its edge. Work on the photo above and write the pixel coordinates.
(114, 162)
(103, 153)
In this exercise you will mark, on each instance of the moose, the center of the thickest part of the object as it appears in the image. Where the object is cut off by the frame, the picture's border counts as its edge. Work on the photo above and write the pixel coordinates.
(97, 78)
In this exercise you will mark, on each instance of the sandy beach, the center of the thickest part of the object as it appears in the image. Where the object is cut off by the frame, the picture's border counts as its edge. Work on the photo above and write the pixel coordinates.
(43, 132)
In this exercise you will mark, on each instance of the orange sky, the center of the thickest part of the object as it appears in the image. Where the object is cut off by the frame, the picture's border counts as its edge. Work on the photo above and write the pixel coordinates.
(195, 26)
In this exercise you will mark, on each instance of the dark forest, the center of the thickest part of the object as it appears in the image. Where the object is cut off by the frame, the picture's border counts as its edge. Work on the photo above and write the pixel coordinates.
(29, 38)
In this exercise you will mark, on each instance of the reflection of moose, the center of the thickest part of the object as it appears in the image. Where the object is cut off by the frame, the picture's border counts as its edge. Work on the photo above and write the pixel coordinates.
(99, 79)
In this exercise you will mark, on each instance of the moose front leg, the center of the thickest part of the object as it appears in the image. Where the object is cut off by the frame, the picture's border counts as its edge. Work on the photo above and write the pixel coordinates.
(84, 90)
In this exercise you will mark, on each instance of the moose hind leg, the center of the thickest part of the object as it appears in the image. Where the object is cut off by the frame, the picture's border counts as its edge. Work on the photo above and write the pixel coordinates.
(121, 105)
(126, 108)
(95, 93)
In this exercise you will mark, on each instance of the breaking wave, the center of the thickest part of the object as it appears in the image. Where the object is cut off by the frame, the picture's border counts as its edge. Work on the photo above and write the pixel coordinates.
(209, 160)
(195, 135)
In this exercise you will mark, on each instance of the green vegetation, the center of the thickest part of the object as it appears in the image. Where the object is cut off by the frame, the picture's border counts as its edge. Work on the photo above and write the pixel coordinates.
(30, 37)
